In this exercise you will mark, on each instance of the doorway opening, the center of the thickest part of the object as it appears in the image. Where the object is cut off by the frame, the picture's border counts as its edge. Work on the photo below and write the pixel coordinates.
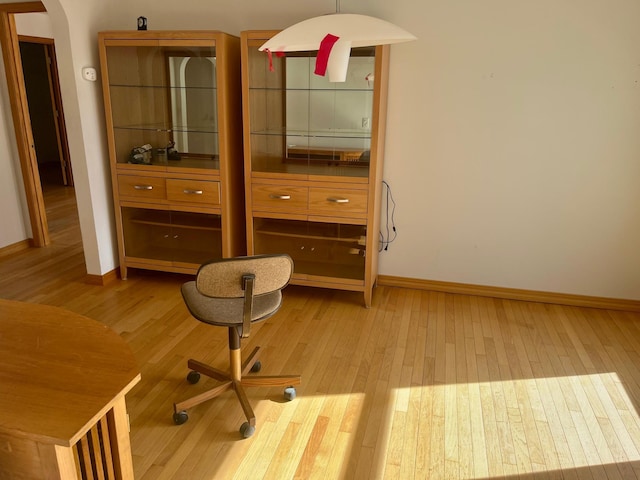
(25, 132)
(42, 88)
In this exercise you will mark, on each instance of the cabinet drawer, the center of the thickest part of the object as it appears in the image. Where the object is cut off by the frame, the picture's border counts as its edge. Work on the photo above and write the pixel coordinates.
(279, 198)
(141, 188)
(337, 201)
(193, 191)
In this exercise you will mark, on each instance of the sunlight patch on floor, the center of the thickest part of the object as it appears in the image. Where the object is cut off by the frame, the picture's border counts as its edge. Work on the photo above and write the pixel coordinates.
(477, 430)
(467, 431)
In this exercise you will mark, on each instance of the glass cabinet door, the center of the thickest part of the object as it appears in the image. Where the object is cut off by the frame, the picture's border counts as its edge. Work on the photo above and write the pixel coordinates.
(177, 237)
(164, 104)
(303, 124)
(317, 248)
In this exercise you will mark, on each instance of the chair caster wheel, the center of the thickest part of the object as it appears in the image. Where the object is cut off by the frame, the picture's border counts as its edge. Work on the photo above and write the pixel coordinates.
(193, 377)
(289, 393)
(180, 417)
(246, 430)
(256, 367)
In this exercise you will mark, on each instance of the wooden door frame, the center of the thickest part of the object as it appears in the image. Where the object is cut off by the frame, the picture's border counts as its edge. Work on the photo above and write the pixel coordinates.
(21, 119)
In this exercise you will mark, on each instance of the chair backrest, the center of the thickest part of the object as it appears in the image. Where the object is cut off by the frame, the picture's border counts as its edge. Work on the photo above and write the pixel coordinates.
(224, 278)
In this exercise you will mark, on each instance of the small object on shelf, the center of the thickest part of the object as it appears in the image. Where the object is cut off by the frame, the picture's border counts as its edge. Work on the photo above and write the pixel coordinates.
(161, 156)
(141, 155)
(142, 23)
(172, 153)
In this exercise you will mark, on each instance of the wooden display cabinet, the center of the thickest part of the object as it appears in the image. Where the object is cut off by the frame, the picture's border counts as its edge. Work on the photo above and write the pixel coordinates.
(313, 163)
(173, 114)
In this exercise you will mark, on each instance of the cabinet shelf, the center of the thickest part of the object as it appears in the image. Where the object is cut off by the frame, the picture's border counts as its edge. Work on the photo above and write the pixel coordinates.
(356, 134)
(326, 270)
(315, 254)
(168, 128)
(163, 88)
(177, 254)
(297, 167)
(185, 162)
(312, 230)
(311, 90)
(176, 221)
(160, 235)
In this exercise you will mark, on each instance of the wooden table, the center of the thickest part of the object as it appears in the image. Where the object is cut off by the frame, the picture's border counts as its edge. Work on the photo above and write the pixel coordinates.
(63, 378)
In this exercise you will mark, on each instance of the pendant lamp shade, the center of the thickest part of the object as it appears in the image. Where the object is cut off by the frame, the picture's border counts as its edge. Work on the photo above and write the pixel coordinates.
(351, 31)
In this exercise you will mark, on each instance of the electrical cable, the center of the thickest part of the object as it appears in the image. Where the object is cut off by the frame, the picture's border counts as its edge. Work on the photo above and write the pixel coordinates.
(391, 235)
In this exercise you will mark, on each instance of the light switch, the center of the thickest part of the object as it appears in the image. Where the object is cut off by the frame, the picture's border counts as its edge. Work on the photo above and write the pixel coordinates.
(89, 73)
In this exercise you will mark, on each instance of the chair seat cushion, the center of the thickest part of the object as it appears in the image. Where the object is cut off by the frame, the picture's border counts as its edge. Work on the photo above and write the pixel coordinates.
(227, 312)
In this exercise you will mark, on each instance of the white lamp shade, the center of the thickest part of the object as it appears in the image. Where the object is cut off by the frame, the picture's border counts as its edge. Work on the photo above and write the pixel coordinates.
(360, 30)
(351, 29)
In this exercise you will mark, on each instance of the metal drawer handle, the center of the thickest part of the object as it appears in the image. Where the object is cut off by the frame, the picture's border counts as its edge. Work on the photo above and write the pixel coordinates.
(275, 196)
(192, 192)
(338, 200)
(143, 187)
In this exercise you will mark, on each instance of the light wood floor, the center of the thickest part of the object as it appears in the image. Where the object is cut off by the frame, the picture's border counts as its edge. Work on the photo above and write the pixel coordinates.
(422, 385)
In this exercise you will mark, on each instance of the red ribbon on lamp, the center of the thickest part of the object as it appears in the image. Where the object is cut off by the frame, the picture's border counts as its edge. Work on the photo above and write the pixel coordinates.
(278, 54)
(324, 51)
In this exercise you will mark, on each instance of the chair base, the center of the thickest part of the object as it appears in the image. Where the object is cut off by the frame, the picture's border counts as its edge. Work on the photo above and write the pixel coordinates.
(234, 380)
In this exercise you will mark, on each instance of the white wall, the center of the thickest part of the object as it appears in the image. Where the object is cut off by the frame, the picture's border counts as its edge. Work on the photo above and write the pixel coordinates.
(512, 146)
(34, 24)
(75, 26)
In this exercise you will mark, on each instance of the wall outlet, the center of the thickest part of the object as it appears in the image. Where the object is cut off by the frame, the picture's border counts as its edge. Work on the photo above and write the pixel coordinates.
(366, 122)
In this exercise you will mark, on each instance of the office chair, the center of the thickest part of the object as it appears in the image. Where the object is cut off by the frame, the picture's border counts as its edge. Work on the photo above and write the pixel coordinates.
(235, 293)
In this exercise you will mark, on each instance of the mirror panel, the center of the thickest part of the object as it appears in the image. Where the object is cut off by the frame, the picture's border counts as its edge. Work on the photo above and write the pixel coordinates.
(302, 123)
